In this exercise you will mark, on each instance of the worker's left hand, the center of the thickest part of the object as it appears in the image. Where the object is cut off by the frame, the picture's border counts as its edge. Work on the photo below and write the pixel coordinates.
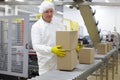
(79, 46)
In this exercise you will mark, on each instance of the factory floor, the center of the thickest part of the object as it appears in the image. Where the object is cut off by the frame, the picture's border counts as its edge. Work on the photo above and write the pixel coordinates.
(116, 77)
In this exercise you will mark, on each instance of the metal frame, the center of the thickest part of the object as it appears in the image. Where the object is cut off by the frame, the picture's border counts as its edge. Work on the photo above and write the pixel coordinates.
(25, 51)
(61, 3)
(113, 54)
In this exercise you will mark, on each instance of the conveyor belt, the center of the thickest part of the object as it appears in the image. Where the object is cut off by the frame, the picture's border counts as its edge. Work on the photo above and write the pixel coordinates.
(104, 56)
(81, 72)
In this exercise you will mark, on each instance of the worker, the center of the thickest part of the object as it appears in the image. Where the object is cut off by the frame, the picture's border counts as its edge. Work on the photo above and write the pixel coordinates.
(43, 35)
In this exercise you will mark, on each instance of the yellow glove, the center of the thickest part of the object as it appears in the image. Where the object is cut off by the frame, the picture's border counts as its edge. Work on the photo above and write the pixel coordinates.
(58, 51)
(79, 46)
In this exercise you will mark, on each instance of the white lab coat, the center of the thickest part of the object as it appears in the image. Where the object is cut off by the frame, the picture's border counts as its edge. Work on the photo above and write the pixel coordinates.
(43, 38)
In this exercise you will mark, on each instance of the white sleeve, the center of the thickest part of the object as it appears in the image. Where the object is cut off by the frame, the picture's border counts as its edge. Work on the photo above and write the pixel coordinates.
(36, 42)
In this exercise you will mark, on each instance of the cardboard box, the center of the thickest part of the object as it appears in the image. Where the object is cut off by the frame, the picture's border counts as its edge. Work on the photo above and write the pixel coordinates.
(86, 55)
(68, 62)
(67, 39)
(109, 46)
(102, 48)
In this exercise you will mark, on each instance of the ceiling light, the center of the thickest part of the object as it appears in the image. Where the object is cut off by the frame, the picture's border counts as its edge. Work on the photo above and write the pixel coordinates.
(20, 0)
(107, 1)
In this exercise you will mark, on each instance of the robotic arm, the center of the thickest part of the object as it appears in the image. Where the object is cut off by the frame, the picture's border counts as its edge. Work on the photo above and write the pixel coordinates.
(89, 20)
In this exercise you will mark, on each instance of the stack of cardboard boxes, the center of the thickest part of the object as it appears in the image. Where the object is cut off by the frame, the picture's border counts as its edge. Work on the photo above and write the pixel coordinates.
(68, 40)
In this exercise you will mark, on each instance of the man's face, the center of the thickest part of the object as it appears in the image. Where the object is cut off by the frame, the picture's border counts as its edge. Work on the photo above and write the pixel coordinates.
(47, 15)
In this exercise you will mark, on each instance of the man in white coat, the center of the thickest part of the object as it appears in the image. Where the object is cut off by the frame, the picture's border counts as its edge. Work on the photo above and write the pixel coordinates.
(43, 35)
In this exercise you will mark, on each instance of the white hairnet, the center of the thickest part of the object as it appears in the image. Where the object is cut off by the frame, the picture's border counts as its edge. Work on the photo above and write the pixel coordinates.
(45, 5)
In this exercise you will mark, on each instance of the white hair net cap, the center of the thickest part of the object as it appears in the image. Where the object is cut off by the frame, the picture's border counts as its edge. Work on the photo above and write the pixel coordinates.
(45, 5)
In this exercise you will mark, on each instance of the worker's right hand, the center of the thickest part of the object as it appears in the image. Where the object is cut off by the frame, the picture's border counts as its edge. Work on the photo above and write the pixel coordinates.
(58, 50)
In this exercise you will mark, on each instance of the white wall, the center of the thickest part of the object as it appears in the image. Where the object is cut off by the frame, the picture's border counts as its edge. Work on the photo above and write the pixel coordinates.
(108, 17)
